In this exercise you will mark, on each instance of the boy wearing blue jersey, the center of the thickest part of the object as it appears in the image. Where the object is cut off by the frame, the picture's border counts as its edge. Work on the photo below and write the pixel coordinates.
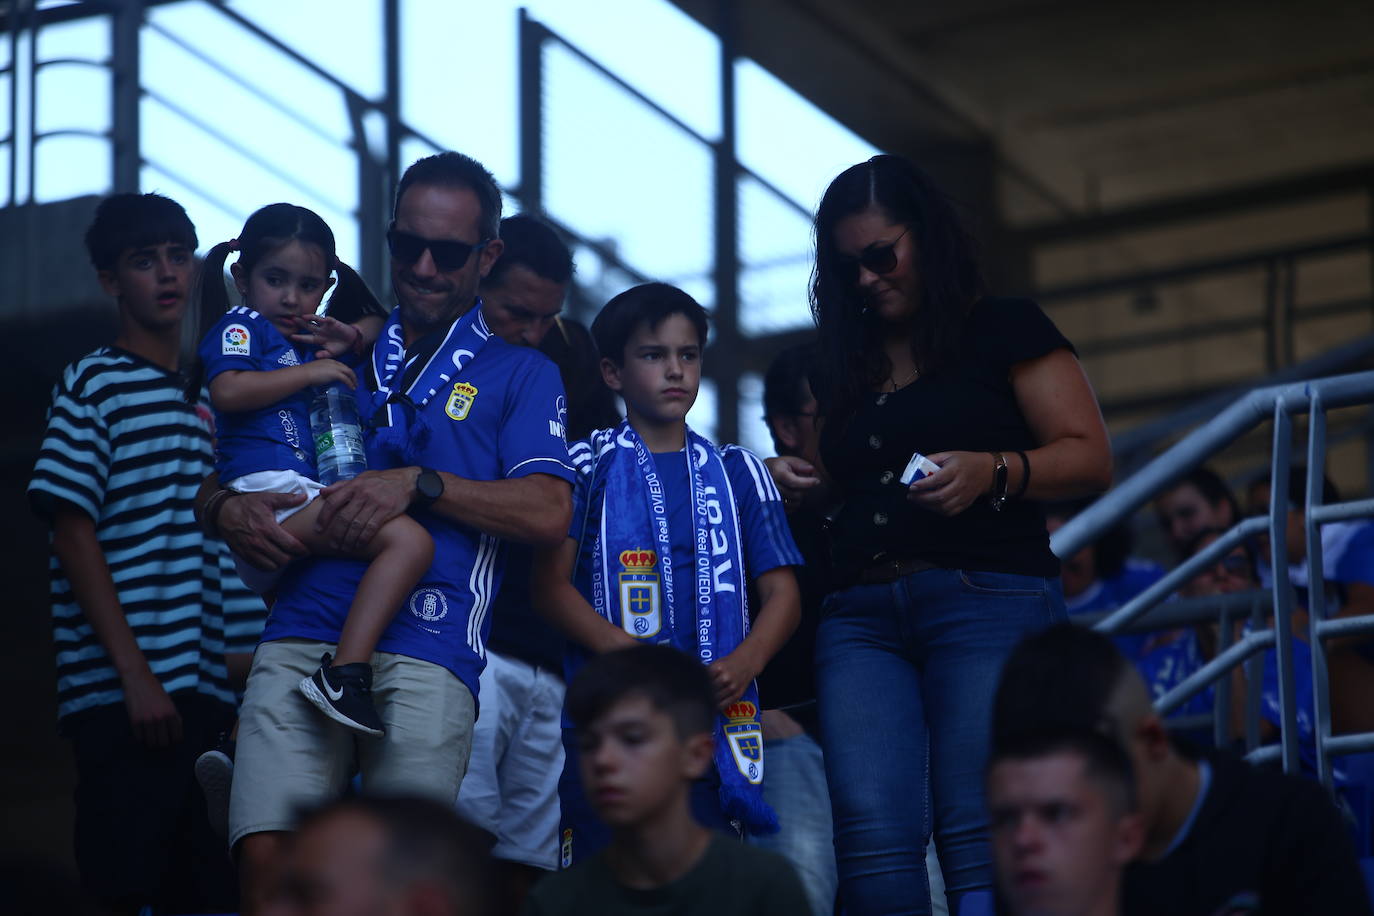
(137, 592)
(669, 533)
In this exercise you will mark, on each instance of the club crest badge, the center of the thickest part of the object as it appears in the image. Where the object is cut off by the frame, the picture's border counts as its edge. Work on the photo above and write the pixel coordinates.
(745, 734)
(234, 341)
(639, 594)
(565, 849)
(460, 401)
(429, 604)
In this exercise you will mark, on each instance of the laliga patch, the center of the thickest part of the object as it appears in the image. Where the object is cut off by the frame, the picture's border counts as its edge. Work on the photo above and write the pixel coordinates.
(565, 859)
(639, 596)
(235, 341)
(460, 401)
(429, 604)
(745, 735)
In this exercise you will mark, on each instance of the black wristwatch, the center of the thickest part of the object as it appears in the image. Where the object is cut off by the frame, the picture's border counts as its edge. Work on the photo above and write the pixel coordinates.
(429, 486)
(999, 481)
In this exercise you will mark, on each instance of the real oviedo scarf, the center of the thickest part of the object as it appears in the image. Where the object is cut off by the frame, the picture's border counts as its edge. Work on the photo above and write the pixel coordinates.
(632, 584)
(406, 382)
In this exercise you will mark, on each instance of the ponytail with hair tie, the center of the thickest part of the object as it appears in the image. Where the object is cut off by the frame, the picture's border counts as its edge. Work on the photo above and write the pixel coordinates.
(212, 298)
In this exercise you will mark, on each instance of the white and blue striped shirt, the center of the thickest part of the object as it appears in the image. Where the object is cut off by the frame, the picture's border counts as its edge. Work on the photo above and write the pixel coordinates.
(124, 447)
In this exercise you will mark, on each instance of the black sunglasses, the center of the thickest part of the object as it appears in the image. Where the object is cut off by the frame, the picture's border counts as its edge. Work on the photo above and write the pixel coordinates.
(407, 248)
(877, 259)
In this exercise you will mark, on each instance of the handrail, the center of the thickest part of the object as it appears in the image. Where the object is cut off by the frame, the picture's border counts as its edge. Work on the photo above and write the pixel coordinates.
(1245, 412)
(1313, 397)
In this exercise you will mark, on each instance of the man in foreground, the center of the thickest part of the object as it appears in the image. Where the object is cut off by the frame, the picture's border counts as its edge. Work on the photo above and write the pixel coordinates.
(1062, 809)
(1220, 836)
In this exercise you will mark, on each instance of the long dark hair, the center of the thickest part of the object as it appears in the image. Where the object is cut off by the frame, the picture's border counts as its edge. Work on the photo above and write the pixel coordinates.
(852, 357)
(268, 229)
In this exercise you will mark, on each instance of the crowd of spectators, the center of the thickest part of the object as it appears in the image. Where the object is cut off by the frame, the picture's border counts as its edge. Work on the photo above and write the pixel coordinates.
(840, 681)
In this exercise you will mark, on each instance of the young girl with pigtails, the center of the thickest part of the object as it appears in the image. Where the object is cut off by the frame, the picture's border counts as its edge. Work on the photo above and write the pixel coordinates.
(263, 361)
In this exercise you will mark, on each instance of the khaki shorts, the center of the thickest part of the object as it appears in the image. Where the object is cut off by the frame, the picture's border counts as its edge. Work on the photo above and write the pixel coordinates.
(290, 755)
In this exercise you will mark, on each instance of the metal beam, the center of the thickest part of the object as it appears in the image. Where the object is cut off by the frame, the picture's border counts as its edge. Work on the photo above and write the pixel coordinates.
(1229, 201)
(531, 89)
(726, 372)
(126, 130)
(1131, 282)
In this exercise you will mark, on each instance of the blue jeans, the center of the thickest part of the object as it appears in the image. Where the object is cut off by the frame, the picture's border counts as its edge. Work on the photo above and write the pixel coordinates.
(794, 785)
(906, 673)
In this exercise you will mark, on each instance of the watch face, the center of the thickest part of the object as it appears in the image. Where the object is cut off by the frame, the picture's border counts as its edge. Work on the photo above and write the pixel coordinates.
(430, 485)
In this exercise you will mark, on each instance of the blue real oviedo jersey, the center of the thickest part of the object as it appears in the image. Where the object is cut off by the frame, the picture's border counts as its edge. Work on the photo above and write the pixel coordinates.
(502, 417)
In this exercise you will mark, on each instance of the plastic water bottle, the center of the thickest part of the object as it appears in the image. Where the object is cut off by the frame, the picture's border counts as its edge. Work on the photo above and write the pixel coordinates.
(339, 452)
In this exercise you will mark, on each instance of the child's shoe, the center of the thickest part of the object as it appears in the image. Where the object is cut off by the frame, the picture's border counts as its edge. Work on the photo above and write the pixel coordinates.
(344, 694)
(215, 773)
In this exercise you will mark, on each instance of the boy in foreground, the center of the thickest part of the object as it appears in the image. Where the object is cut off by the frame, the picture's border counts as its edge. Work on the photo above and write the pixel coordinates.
(669, 533)
(645, 718)
(1220, 835)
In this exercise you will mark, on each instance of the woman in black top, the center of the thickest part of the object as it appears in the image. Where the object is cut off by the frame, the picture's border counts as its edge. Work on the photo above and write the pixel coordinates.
(944, 576)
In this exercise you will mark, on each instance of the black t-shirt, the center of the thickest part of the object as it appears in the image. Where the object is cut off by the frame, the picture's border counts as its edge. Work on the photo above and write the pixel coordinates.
(1262, 843)
(517, 629)
(968, 405)
(789, 679)
(731, 879)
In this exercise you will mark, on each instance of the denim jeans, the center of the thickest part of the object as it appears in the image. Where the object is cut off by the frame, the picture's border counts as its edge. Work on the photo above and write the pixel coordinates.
(794, 785)
(906, 673)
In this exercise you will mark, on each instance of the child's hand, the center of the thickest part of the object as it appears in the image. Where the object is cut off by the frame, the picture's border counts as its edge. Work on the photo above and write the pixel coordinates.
(321, 372)
(731, 676)
(333, 337)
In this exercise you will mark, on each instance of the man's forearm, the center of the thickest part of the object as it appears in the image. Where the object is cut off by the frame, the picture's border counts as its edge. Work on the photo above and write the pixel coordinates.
(534, 510)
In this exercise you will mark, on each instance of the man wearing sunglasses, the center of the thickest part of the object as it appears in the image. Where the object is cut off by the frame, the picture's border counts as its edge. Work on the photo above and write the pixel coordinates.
(465, 432)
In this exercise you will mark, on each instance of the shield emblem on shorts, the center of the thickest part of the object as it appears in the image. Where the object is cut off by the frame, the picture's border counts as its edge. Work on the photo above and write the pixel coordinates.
(460, 401)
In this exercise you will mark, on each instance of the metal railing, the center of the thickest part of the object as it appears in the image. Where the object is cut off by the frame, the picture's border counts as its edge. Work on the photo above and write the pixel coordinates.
(1280, 402)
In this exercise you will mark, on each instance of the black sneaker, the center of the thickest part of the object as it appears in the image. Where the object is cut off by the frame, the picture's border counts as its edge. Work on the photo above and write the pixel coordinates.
(215, 773)
(344, 694)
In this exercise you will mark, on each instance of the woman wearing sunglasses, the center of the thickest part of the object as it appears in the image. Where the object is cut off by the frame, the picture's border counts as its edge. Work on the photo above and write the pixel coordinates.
(943, 576)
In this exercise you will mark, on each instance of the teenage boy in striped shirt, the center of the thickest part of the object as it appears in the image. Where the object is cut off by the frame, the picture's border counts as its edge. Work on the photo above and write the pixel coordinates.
(137, 590)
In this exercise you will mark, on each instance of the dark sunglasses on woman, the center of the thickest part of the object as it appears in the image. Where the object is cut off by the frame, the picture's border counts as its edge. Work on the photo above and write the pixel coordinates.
(407, 248)
(876, 259)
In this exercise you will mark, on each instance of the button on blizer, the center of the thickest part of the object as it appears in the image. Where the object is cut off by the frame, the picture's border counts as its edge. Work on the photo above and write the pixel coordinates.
(875, 442)
(880, 518)
(887, 477)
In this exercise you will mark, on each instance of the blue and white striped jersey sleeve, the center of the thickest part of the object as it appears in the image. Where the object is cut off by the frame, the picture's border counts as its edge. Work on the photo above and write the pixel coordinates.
(74, 460)
(767, 538)
(582, 456)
